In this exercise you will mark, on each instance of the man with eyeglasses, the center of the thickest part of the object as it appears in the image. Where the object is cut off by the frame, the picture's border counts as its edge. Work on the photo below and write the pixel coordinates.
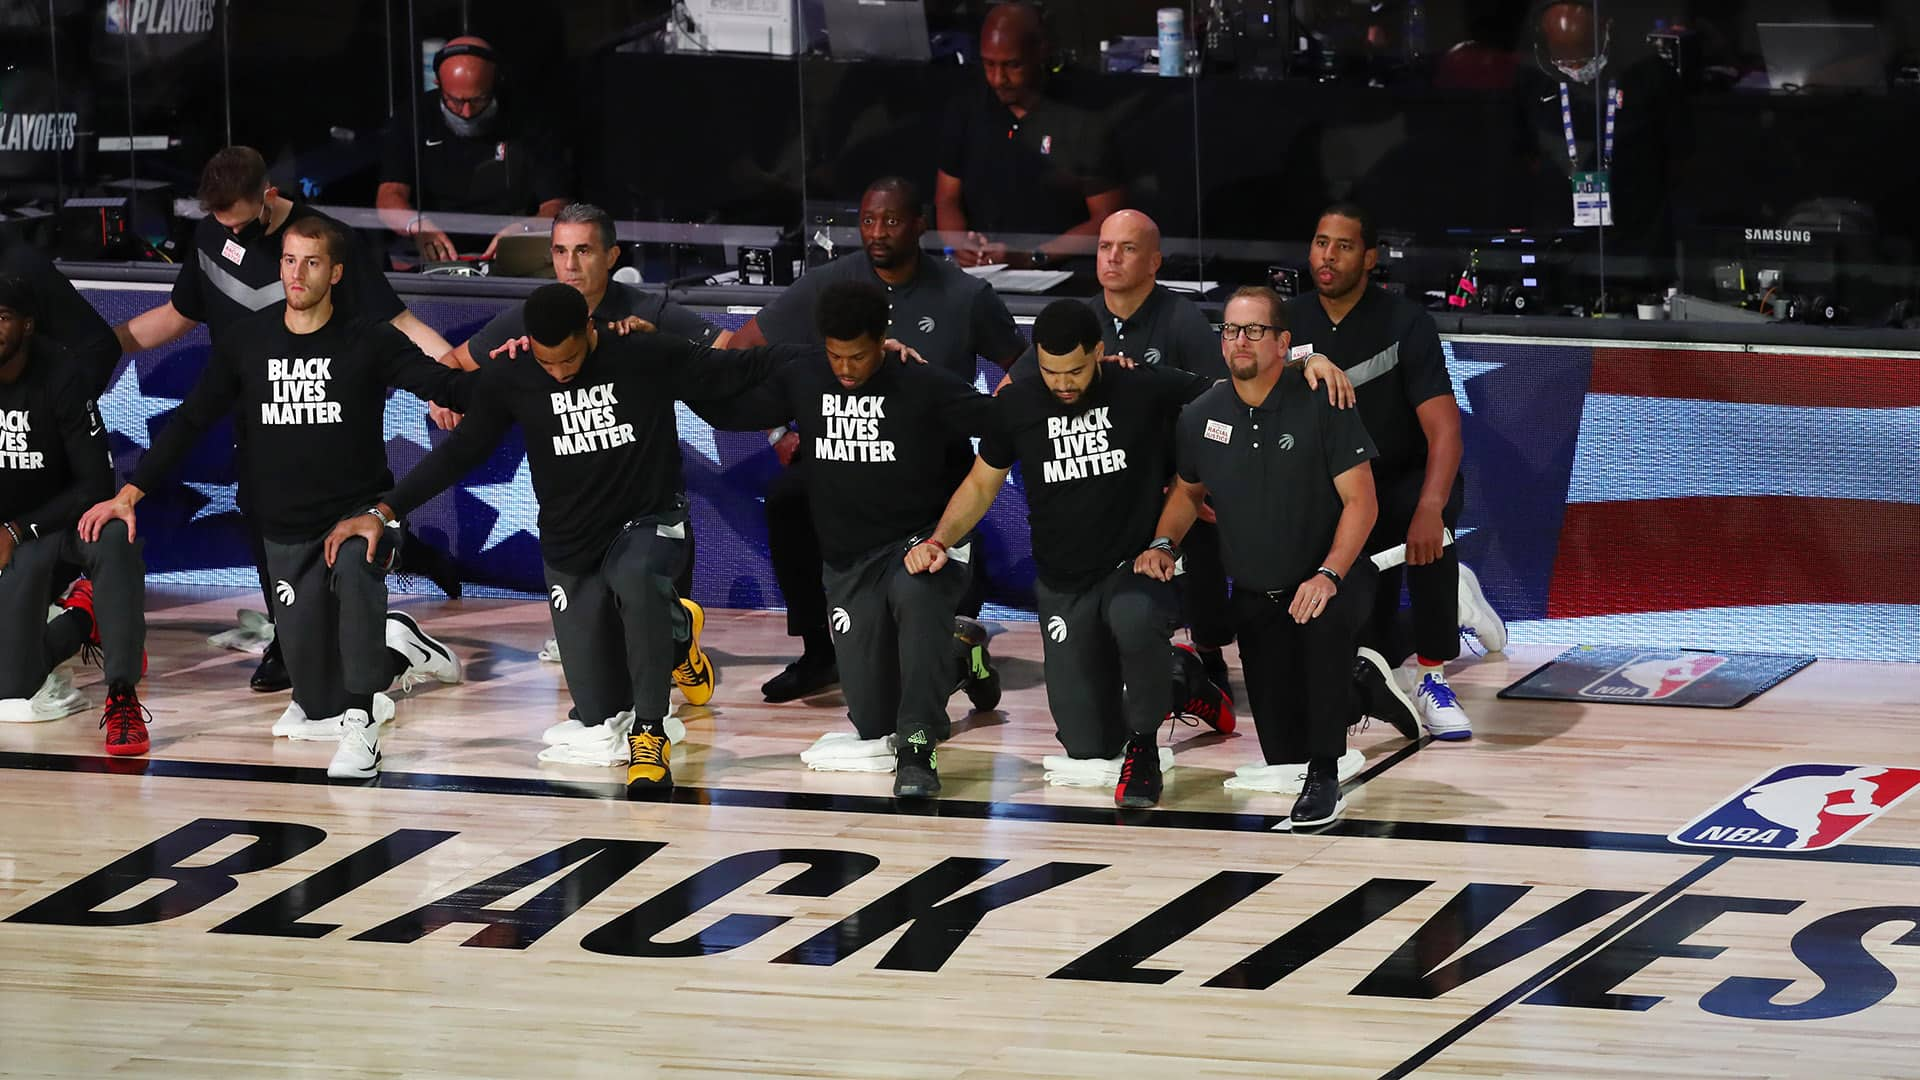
(1290, 480)
(949, 317)
(1390, 348)
(232, 273)
(477, 154)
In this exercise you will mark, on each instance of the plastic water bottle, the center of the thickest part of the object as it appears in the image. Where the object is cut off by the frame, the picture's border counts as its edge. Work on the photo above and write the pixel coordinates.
(1172, 23)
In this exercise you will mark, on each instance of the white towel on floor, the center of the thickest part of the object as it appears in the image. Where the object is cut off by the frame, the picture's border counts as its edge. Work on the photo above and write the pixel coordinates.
(1286, 779)
(845, 751)
(1064, 771)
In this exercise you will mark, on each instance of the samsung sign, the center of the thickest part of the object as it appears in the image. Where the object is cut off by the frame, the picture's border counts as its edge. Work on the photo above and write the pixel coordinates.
(1781, 236)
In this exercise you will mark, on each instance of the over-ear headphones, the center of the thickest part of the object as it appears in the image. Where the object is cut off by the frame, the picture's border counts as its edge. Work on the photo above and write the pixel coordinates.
(465, 48)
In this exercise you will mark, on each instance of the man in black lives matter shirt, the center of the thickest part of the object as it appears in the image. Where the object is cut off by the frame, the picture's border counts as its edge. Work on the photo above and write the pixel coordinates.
(1093, 441)
(888, 442)
(310, 389)
(232, 273)
(53, 465)
(604, 451)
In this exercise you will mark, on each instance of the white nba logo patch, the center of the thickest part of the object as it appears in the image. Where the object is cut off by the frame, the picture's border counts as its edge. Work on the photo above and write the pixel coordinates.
(1219, 432)
(1046, 144)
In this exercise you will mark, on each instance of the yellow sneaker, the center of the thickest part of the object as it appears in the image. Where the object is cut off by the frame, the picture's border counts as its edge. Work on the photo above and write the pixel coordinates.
(649, 769)
(695, 675)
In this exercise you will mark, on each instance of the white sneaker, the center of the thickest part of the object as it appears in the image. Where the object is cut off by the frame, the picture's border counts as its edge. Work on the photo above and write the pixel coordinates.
(1063, 771)
(429, 658)
(1440, 710)
(550, 652)
(846, 751)
(1477, 615)
(599, 745)
(358, 757)
(56, 698)
(1287, 778)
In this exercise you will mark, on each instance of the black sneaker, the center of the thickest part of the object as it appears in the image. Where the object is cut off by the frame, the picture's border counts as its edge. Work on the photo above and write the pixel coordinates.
(977, 675)
(804, 677)
(1195, 693)
(1381, 697)
(1215, 663)
(271, 676)
(1319, 802)
(1140, 779)
(915, 770)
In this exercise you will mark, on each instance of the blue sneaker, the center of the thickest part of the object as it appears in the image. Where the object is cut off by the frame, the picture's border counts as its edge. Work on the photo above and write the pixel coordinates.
(1440, 710)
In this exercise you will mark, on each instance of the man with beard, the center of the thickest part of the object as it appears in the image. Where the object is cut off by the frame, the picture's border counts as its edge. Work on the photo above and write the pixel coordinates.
(310, 387)
(936, 309)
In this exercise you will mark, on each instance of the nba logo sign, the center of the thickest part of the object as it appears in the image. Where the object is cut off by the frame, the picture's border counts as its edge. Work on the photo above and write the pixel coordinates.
(1652, 676)
(1800, 808)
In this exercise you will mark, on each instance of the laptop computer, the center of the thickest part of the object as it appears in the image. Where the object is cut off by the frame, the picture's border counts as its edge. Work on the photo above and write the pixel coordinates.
(1803, 56)
(877, 30)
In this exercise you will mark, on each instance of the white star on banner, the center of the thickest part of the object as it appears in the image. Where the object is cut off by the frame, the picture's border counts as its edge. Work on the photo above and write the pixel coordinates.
(126, 410)
(1461, 371)
(406, 420)
(696, 434)
(513, 505)
(220, 500)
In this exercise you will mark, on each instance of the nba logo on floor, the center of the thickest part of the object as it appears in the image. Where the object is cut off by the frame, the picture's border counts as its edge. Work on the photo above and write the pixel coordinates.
(1800, 808)
(1652, 676)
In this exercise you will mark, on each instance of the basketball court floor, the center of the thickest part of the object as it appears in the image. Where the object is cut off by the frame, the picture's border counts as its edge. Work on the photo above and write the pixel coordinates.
(1507, 907)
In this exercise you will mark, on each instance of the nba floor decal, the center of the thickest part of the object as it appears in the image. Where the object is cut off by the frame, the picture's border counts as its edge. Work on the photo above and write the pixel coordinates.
(1800, 808)
(1625, 675)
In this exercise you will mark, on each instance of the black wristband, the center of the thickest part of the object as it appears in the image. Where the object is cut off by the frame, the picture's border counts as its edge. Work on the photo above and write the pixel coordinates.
(1329, 575)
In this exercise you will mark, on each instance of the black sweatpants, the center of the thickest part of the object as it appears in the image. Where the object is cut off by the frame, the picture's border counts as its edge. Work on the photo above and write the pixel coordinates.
(30, 646)
(794, 550)
(621, 627)
(1300, 676)
(331, 621)
(893, 634)
(1203, 590)
(1105, 658)
(1433, 590)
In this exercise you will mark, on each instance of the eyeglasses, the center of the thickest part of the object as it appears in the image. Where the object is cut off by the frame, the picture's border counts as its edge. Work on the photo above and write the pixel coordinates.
(1254, 331)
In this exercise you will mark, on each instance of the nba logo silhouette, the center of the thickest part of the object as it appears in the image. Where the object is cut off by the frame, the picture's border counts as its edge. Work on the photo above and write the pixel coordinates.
(1800, 808)
(1652, 676)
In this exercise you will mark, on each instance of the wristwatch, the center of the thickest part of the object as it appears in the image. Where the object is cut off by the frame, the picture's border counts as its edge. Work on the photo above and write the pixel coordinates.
(1329, 575)
(1161, 543)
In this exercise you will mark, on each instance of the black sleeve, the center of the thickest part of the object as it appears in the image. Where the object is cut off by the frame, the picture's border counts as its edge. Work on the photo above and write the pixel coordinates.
(788, 320)
(1028, 366)
(486, 423)
(685, 322)
(189, 290)
(499, 330)
(1186, 444)
(703, 373)
(1173, 387)
(996, 442)
(767, 405)
(84, 438)
(211, 399)
(1422, 362)
(405, 367)
(1343, 438)
(960, 408)
(953, 139)
(373, 295)
(994, 334)
(1198, 343)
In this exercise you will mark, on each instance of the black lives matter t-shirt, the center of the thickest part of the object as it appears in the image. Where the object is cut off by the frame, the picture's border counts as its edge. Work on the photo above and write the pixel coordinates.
(886, 454)
(1270, 470)
(53, 448)
(603, 447)
(1093, 470)
(223, 281)
(312, 407)
(1390, 348)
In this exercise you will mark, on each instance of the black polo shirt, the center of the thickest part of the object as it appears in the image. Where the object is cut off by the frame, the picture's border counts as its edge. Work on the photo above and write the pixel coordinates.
(945, 313)
(1167, 329)
(510, 170)
(1270, 472)
(1390, 348)
(222, 280)
(61, 314)
(621, 300)
(1093, 471)
(1030, 174)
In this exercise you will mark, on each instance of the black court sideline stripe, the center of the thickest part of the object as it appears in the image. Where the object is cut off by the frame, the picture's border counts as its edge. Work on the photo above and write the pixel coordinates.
(961, 809)
(1551, 971)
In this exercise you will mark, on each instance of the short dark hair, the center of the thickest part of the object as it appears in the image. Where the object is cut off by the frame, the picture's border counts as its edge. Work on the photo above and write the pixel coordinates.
(908, 191)
(329, 232)
(555, 313)
(1066, 325)
(233, 174)
(17, 295)
(1369, 232)
(851, 310)
(1276, 304)
(581, 213)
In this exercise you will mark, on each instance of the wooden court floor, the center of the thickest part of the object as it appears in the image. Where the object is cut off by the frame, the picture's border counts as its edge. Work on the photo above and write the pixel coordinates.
(1509, 907)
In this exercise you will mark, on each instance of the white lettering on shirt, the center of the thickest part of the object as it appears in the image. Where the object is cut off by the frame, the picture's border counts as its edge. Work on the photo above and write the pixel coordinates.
(588, 422)
(15, 426)
(1080, 447)
(853, 429)
(299, 385)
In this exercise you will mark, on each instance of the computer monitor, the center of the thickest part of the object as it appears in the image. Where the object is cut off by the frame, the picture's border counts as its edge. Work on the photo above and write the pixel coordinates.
(878, 30)
(1804, 56)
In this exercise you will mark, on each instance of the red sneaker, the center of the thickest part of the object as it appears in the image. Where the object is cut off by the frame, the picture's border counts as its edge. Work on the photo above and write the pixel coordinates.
(1195, 694)
(80, 595)
(125, 722)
